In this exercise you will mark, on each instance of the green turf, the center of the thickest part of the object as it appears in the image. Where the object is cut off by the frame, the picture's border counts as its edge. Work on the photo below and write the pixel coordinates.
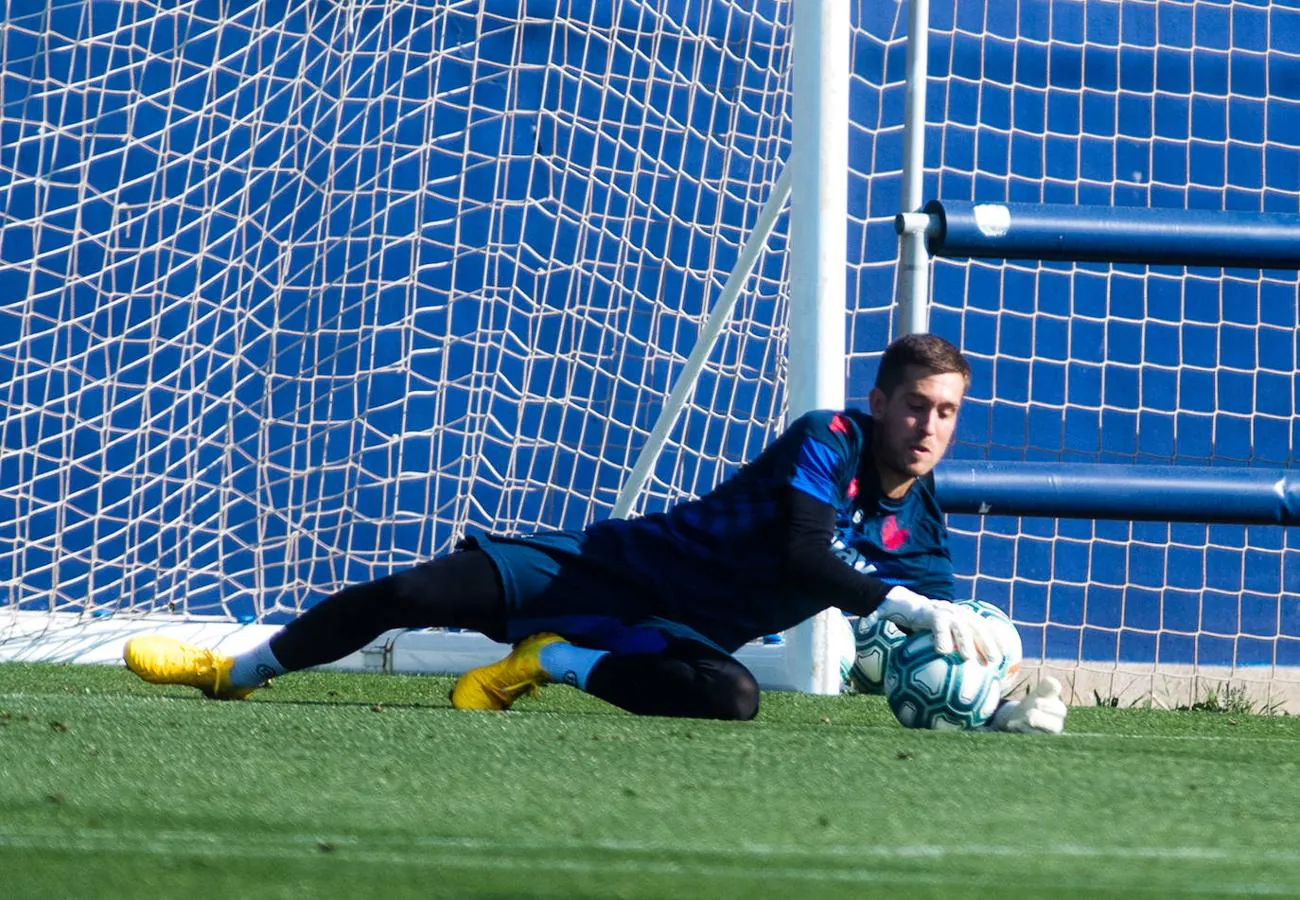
(350, 785)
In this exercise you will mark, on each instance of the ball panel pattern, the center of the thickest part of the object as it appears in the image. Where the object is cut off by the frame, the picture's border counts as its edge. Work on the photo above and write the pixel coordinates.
(927, 689)
(875, 640)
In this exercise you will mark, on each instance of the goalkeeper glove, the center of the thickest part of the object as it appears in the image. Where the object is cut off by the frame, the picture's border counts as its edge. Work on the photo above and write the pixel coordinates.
(954, 627)
(1040, 712)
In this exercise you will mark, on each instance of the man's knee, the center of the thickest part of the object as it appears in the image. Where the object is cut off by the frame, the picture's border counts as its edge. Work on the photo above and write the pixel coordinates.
(733, 695)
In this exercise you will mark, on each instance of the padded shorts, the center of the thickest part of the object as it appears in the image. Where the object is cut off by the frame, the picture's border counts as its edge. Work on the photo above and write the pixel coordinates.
(554, 581)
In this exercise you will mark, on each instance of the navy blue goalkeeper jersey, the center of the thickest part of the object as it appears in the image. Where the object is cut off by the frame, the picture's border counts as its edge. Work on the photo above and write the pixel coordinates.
(716, 564)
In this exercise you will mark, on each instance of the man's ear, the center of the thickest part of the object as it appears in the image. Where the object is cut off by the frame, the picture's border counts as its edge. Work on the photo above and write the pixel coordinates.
(877, 401)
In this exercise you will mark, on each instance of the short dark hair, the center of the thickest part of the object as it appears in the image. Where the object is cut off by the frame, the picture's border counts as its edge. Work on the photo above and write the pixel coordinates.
(928, 351)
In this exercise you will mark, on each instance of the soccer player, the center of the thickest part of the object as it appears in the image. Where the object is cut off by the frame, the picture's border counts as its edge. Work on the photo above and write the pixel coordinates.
(645, 613)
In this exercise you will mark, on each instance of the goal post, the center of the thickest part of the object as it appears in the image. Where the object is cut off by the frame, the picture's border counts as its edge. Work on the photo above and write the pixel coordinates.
(818, 258)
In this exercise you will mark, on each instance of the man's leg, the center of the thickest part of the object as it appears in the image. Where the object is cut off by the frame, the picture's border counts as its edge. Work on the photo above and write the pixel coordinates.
(457, 591)
(645, 668)
(687, 679)
(461, 591)
(649, 672)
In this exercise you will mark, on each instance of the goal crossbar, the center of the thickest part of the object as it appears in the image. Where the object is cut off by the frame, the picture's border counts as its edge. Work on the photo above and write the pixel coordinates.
(1111, 234)
(1152, 493)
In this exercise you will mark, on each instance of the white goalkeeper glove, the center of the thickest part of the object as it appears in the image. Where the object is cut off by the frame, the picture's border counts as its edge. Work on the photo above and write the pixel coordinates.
(1041, 712)
(958, 628)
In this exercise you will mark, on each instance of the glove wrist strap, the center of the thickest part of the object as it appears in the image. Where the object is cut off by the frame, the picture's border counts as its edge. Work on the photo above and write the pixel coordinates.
(901, 603)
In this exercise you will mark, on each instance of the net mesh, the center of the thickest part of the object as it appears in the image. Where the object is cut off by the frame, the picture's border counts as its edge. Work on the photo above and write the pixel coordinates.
(1183, 105)
(304, 292)
(299, 293)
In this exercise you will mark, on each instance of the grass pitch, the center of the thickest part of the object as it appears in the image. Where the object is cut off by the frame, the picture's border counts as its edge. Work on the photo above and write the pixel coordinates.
(356, 785)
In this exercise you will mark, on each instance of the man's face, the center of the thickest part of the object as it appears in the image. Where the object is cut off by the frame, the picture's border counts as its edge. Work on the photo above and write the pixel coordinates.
(915, 424)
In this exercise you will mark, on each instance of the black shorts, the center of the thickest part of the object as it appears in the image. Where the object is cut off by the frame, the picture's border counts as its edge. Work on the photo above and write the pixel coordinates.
(553, 581)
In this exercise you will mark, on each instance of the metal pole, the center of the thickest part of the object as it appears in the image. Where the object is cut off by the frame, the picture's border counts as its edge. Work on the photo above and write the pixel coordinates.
(912, 295)
(818, 248)
(1127, 234)
(686, 380)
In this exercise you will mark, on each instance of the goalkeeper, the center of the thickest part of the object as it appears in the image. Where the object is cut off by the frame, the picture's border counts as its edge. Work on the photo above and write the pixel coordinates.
(645, 613)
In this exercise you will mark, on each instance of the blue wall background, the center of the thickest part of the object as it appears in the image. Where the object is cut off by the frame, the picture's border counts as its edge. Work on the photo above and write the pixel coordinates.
(264, 262)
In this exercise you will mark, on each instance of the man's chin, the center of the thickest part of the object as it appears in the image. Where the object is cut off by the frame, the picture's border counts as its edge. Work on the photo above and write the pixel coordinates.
(919, 468)
(913, 468)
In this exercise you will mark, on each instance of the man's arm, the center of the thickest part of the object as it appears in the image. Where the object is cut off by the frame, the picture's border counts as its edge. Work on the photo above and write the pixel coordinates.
(813, 568)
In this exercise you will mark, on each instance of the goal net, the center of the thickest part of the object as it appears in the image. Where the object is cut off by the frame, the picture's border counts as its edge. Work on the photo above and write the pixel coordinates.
(1171, 104)
(300, 293)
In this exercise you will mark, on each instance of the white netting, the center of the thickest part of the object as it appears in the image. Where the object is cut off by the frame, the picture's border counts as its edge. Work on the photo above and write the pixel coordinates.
(297, 295)
(300, 292)
(1184, 105)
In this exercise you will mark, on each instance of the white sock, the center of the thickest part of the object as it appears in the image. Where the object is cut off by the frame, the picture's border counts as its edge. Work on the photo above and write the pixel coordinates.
(254, 667)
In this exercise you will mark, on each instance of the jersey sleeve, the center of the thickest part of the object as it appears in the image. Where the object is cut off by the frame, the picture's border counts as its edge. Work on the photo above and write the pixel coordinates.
(829, 445)
(813, 570)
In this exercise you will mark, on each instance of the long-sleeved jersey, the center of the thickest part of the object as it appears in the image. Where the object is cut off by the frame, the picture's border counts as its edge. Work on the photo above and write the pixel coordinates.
(800, 528)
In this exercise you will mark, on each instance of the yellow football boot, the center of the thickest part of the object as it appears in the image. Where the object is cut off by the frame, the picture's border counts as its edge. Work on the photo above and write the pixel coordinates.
(163, 660)
(499, 684)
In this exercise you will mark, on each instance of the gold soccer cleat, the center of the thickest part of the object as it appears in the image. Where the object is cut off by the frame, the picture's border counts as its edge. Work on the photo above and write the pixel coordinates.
(163, 660)
(499, 684)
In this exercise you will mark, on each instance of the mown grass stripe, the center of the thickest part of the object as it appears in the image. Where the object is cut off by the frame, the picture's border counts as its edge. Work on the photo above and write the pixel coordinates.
(749, 863)
(742, 851)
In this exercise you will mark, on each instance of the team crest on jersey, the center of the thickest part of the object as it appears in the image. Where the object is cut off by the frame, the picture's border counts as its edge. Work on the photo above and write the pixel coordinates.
(839, 424)
(891, 536)
(852, 490)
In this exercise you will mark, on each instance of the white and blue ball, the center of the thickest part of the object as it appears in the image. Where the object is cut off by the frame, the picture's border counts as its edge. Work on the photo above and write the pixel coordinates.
(875, 640)
(943, 692)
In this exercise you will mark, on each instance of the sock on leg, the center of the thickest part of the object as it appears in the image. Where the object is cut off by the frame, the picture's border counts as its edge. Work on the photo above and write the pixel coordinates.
(255, 667)
(567, 664)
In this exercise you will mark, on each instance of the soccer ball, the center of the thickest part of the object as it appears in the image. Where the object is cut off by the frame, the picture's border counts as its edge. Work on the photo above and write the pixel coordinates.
(927, 689)
(1011, 637)
(875, 640)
